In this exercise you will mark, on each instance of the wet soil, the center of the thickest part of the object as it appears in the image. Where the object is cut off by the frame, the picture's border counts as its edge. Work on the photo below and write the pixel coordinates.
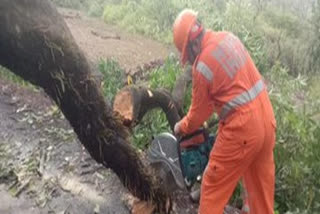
(44, 168)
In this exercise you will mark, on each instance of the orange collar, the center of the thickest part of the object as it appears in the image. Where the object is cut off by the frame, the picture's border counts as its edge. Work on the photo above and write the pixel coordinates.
(207, 38)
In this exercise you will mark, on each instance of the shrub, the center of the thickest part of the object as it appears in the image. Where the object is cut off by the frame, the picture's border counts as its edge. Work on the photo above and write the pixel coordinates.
(155, 122)
(297, 150)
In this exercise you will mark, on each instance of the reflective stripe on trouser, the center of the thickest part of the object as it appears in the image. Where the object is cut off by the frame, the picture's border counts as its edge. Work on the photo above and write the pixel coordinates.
(244, 148)
(241, 99)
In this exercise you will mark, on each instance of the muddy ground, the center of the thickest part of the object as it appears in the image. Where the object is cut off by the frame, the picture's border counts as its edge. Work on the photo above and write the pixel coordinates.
(44, 169)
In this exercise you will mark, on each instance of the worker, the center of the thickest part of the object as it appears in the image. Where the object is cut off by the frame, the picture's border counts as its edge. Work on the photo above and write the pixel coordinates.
(225, 80)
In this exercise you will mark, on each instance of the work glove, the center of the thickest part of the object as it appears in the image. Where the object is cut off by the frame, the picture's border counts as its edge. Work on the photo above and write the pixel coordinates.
(177, 130)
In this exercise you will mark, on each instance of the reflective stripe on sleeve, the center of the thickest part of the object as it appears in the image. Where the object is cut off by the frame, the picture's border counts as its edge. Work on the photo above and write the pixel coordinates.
(205, 71)
(242, 99)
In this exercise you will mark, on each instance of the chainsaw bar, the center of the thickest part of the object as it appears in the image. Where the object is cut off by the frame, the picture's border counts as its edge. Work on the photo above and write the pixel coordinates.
(164, 150)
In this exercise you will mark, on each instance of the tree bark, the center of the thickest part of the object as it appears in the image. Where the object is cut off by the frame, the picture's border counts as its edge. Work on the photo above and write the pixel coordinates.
(36, 44)
(180, 89)
(181, 86)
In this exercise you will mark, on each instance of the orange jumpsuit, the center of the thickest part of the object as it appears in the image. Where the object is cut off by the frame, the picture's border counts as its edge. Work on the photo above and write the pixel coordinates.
(226, 81)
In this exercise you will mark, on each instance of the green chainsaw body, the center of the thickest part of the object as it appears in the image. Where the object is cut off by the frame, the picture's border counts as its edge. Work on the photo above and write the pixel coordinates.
(185, 158)
(194, 159)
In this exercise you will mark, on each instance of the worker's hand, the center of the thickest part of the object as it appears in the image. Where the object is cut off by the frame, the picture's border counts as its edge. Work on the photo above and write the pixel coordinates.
(177, 130)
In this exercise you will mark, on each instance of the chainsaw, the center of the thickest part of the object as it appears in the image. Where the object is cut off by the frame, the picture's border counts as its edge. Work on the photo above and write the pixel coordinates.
(181, 159)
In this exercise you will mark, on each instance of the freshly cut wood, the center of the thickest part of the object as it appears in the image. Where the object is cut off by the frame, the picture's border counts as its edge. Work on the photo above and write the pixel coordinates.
(124, 105)
(133, 102)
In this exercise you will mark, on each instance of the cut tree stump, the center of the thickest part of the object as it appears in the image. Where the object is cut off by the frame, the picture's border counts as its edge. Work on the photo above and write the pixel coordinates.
(133, 102)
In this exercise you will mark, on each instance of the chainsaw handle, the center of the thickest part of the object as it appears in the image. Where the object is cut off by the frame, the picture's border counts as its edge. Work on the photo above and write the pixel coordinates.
(199, 131)
(191, 135)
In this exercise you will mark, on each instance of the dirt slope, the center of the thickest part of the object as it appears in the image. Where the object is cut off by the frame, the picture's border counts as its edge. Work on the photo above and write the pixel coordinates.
(99, 41)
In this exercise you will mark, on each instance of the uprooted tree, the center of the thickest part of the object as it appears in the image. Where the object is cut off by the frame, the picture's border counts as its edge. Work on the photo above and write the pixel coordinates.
(36, 44)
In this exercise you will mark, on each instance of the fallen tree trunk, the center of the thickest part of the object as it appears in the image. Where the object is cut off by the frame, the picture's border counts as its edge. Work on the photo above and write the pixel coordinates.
(36, 44)
(133, 102)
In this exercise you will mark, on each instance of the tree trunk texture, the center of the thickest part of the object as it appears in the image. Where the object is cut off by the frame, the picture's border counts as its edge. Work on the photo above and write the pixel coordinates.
(180, 89)
(133, 102)
(36, 44)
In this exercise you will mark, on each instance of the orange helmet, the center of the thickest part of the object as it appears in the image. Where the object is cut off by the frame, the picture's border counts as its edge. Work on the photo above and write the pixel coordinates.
(185, 28)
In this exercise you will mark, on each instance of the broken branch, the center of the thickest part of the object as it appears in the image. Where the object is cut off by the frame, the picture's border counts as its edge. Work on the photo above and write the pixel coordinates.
(133, 102)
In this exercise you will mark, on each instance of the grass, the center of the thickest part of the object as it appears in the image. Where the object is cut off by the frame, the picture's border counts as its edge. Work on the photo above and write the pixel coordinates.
(147, 17)
(91, 7)
(6, 74)
(154, 122)
(113, 77)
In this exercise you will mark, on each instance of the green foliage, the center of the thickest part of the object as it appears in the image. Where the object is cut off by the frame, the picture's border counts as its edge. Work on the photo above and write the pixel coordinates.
(155, 122)
(113, 77)
(270, 33)
(165, 76)
(297, 150)
(6, 74)
(278, 42)
(283, 20)
(96, 8)
(145, 17)
(315, 38)
(76, 4)
(92, 7)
